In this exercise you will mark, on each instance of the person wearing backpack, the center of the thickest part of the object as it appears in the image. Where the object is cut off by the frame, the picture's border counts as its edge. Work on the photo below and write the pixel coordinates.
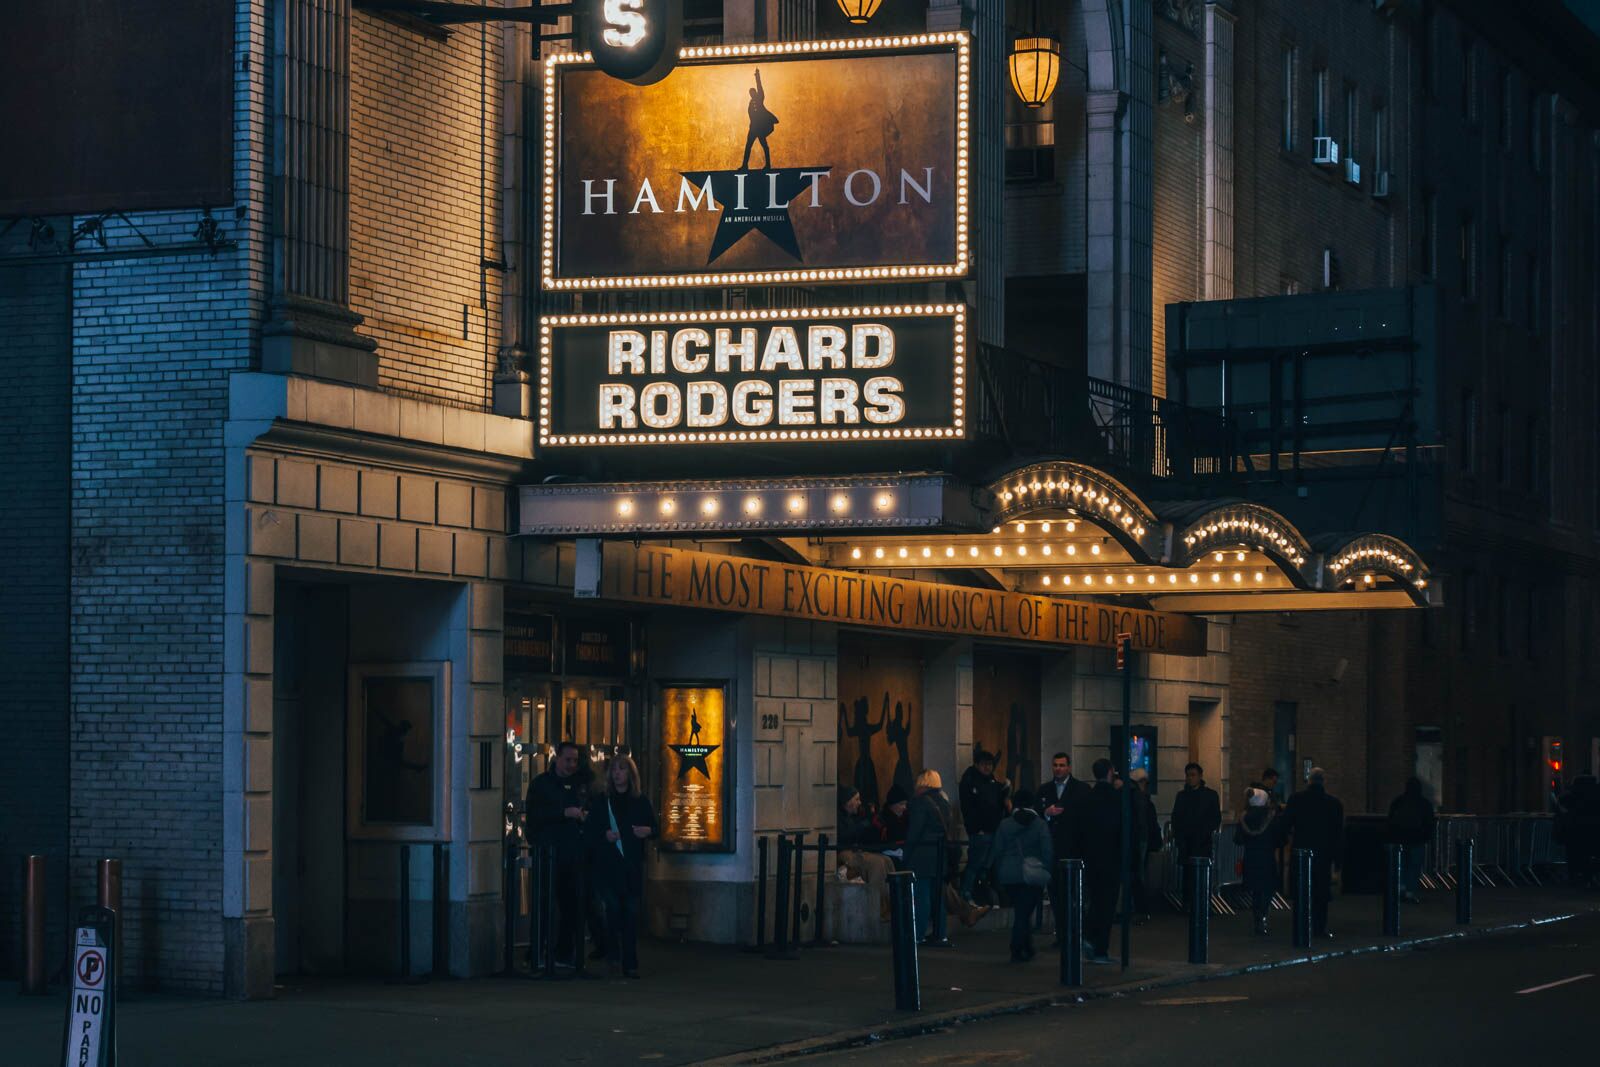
(1411, 827)
(1020, 861)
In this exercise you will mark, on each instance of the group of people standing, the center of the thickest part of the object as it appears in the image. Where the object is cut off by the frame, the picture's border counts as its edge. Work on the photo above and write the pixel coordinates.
(596, 831)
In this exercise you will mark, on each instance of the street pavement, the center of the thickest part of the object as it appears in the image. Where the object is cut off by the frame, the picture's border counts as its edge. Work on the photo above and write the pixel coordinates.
(1528, 996)
(703, 1002)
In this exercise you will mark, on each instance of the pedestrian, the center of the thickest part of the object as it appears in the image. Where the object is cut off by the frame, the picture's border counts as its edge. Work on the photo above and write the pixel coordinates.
(1269, 782)
(555, 809)
(984, 800)
(1196, 814)
(618, 827)
(859, 840)
(1061, 801)
(593, 913)
(1315, 818)
(1260, 832)
(1099, 841)
(1411, 822)
(1146, 839)
(926, 848)
(890, 821)
(1577, 826)
(1020, 862)
(855, 824)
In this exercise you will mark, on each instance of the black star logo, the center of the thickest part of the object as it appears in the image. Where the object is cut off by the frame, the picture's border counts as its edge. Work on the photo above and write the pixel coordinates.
(756, 200)
(692, 758)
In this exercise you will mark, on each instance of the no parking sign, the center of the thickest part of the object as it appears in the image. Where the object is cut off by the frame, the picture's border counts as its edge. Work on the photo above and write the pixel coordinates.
(90, 1040)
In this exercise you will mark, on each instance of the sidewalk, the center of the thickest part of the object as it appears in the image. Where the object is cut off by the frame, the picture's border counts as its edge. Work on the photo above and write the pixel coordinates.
(696, 1002)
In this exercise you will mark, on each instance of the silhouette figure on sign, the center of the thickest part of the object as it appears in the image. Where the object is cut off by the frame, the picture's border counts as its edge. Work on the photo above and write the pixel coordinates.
(898, 734)
(762, 123)
(866, 775)
(694, 728)
(1019, 764)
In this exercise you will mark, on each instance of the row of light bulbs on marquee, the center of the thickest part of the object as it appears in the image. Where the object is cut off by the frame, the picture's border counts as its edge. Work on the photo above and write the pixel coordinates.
(1108, 582)
(710, 505)
(1085, 494)
(970, 552)
(1230, 526)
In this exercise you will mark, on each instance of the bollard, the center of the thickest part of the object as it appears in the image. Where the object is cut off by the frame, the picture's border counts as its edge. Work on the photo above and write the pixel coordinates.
(799, 853)
(780, 913)
(110, 896)
(822, 889)
(1199, 875)
(939, 929)
(547, 920)
(510, 901)
(405, 912)
(33, 908)
(580, 920)
(1300, 924)
(903, 941)
(441, 910)
(761, 893)
(1070, 935)
(1391, 890)
(1464, 865)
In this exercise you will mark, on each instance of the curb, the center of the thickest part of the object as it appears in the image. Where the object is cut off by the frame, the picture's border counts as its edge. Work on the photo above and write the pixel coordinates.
(926, 1024)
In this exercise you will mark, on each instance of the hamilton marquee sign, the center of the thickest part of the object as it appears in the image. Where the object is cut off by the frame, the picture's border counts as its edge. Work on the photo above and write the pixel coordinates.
(800, 161)
(649, 574)
(801, 374)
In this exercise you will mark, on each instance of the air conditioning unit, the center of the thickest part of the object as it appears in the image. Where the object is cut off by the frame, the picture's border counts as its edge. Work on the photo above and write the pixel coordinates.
(1380, 185)
(1352, 171)
(1326, 151)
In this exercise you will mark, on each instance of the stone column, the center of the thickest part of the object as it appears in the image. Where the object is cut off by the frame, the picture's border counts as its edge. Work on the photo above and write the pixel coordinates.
(947, 711)
(311, 329)
(1219, 152)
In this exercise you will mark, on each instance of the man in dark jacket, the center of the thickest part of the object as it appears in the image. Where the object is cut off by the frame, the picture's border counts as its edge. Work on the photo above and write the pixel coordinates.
(1411, 827)
(556, 807)
(983, 806)
(1196, 814)
(1316, 821)
(1061, 802)
(1099, 842)
(1146, 839)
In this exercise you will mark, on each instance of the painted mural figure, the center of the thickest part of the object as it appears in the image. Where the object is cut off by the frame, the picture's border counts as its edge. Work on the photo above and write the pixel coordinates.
(897, 732)
(762, 123)
(1019, 763)
(866, 775)
(694, 728)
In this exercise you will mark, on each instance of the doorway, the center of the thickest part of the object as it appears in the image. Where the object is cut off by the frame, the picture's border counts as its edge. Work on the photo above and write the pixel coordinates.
(1285, 751)
(1205, 741)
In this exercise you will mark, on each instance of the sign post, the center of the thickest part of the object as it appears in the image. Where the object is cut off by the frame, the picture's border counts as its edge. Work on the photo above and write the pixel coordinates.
(91, 1034)
(1125, 664)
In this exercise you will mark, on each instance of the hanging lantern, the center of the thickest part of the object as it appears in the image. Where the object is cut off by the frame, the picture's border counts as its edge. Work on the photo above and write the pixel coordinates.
(858, 11)
(1035, 65)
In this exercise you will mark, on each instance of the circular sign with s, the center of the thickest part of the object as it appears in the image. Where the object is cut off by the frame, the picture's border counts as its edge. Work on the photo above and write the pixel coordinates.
(635, 40)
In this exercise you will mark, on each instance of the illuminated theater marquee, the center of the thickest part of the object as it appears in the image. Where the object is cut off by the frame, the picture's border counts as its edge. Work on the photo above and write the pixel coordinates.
(804, 374)
(799, 161)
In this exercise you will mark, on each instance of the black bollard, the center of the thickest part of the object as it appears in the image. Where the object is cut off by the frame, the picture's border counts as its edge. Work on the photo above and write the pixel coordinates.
(799, 883)
(1199, 875)
(441, 910)
(761, 893)
(509, 901)
(903, 941)
(818, 905)
(1301, 922)
(549, 911)
(1391, 890)
(405, 913)
(580, 919)
(780, 913)
(1071, 934)
(1464, 867)
(939, 929)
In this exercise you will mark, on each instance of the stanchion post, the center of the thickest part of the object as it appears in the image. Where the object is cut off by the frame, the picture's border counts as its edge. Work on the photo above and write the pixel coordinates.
(509, 902)
(33, 907)
(903, 941)
(939, 930)
(1199, 875)
(761, 892)
(819, 905)
(405, 912)
(550, 913)
(580, 919)
(1464, 864)
(799, 854)
(780, 912)
(1391, 890)
(1301, 924)
(1070, 935)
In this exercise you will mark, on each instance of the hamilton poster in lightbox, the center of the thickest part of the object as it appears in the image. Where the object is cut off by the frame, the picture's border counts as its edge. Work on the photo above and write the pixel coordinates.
(696, 791)
(797, 161)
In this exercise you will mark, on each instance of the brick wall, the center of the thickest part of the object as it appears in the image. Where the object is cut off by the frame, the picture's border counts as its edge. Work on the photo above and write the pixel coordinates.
(424, 205)
(35, 480)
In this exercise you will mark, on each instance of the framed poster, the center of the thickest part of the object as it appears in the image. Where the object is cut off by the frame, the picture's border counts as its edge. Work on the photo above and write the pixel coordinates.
(1140, 754)
(397, 783)
(695, 795)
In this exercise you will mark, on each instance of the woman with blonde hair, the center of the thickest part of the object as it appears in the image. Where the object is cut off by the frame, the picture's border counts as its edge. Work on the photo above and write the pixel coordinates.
(620, 822)
(927, 827)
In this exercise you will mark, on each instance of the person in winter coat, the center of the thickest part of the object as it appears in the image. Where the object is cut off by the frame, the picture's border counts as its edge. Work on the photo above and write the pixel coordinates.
(927, 849)
(1260, 832)
(1146, 839)
(555, 810)
(1196, 814)
(1061, 801)
(1099, 841)
(1411, 827)
(1021, 861)
(619, 824)
(855, 825)
(890, 822)
(1316, 820)
(984, 800)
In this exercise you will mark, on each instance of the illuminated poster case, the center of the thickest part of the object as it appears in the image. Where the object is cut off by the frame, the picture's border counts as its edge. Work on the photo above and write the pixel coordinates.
(876, 373)
(786, 162)
(695, 795)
